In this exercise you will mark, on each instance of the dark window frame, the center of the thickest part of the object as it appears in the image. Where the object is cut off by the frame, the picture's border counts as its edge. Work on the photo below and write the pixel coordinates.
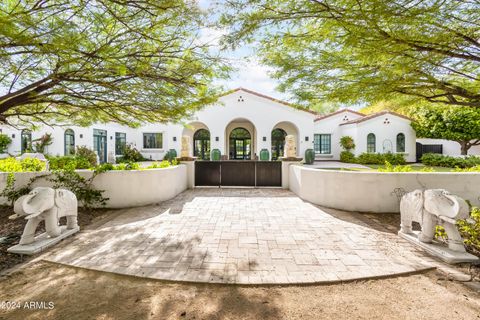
(71, 147)
(120, 137)
(157, 143)
(371, 143)
(322, 143)
(400, 143)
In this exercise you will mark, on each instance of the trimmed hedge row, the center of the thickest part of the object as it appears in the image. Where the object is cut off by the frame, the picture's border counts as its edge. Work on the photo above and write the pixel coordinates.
(373, 158)
(439, 160)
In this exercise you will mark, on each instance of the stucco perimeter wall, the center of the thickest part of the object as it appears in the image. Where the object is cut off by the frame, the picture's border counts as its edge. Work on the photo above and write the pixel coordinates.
(374, 191)
(123, 188)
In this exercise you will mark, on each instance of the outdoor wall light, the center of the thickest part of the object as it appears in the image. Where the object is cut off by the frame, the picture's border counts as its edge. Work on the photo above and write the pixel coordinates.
(264, 138)
(216, 139)
(174, 139)
(81, 135)
(306, 138)
(111, 137)
(13, 135)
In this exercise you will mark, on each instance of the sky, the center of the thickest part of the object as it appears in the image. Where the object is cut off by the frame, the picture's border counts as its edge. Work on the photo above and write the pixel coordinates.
(249, 72)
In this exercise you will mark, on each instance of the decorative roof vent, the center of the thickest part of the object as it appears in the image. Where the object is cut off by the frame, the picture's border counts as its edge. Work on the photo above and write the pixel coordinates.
(345, 118)
(240, 99)
(386, 121)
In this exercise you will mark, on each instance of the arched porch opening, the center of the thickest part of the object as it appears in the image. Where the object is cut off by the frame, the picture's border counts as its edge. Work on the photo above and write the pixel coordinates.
(240, 140)
(199, 135)
(201, 144)
(279, 132)
(278, 143)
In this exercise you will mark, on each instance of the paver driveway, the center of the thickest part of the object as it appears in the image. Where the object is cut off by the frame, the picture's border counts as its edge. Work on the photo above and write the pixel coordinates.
(240, 236)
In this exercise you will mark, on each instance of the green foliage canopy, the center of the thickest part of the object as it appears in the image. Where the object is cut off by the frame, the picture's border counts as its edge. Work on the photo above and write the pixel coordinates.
(83, 61)
(461, 124)
(364, 51)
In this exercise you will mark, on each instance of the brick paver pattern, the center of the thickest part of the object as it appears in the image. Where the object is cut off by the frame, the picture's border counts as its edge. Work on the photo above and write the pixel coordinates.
(248, 236)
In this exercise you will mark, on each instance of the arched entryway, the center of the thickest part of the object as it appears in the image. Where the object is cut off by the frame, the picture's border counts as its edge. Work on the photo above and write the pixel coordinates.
(199, 140)
(279, 132)
(201, 144)
(240, 144)
(278, 143)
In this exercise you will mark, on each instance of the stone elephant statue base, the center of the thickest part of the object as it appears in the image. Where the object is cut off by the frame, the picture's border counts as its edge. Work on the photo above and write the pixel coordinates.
(430, 208)
(49, 205)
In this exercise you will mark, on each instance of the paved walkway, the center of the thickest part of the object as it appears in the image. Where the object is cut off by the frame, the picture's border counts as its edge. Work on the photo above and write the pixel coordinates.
(249, 236)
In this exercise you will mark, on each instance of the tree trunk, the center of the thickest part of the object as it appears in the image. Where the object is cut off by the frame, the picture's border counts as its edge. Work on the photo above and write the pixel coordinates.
(464, 146)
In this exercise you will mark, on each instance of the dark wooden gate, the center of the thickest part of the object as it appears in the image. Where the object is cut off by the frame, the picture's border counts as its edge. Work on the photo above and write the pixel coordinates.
(269, 173)
(246, 173)
(207, 173)
(428, 148)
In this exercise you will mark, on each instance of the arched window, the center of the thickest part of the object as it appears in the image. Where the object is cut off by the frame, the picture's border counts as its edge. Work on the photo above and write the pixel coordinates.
(371, 142)
(69, 142)
(26, 141)
(400, 142)
(201, 144)
(240, 144)
(278, 143)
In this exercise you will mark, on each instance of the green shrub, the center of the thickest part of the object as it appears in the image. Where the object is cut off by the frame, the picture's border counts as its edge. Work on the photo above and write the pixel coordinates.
(470, 231)
(439, 160)
(68, 163)
(161, 164)
(88, 154)
(127, 166)
(5, 140)
(104, 167)
(347, 156)
(347, 143)
(26, 165)
(380, 158)
(130, 154)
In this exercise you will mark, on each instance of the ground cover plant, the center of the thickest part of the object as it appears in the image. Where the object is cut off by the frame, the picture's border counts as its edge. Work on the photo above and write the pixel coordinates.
(25, 165)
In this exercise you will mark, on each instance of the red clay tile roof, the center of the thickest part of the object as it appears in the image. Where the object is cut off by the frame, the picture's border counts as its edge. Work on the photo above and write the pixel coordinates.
(270, 98)
(338, 112)
(374, 115)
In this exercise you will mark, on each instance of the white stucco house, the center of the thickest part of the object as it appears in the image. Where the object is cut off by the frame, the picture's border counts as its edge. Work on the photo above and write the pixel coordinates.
(239, 125)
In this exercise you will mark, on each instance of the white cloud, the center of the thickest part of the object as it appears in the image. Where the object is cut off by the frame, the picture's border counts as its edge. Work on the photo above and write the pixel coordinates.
(251, 74)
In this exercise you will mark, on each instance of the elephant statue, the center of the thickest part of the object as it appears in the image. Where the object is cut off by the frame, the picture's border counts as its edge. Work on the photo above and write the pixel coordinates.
(47, 204)
(430, 208)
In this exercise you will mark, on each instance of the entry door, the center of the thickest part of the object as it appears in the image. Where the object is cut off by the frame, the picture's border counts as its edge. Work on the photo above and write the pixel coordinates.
(241, 149)
(100, 144)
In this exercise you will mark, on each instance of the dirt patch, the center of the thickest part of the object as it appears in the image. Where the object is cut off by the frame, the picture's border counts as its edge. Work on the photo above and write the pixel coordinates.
(11, 230)
(86, 294)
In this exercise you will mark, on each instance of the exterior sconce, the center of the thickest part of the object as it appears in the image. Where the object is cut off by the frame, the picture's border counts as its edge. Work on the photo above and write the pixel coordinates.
(216, 139)
(13, 135)
(81, 135)
(264, 138)
(306, 138)
(111, 137)
(174, 139)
